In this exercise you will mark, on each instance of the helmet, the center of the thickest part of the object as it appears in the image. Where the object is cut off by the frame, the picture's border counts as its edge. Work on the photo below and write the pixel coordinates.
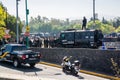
(65, 58)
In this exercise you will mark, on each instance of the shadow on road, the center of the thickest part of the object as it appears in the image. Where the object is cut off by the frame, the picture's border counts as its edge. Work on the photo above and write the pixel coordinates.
(80, 77)
(58, 74)
(77, 76)
(24, 68)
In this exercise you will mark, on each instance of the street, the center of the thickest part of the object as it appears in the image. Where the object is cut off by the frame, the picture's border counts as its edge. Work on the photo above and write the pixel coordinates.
(43, 71)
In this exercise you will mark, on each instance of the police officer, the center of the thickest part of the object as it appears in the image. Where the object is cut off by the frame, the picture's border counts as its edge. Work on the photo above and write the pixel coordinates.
(84, 22)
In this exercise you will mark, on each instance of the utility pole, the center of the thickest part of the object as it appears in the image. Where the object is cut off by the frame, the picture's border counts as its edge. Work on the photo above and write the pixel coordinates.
(17, 31)
(6, 17)
(27, 27)
(94, 12)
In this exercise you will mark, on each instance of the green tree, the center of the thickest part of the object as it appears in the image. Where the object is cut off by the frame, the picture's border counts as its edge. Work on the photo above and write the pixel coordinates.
(77, 26)
(106, 28)
(2, 15)
(8, 21)
(116, 22)
(118, 29)
(2, 32)
(11, 22)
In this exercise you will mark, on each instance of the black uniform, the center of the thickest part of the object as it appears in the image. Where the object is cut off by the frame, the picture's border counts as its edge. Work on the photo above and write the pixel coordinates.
(84, 22)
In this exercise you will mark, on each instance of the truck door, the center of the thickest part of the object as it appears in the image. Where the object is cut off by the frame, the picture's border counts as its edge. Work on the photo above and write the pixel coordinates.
(67, 38)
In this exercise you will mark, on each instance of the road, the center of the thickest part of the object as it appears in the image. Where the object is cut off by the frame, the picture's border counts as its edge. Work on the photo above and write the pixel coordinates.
(43, 71)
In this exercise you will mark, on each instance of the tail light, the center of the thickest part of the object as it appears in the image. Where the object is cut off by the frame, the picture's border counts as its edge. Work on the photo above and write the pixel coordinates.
(39, 55)
(23, 56)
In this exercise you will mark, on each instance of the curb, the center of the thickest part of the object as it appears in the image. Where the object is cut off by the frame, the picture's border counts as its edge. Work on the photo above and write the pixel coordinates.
(83, 71)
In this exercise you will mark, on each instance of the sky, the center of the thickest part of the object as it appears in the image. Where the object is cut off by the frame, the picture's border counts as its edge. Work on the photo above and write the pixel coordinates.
(62, 9)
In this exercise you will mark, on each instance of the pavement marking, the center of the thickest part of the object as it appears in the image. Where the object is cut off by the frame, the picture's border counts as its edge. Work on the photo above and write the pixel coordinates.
(83, 71)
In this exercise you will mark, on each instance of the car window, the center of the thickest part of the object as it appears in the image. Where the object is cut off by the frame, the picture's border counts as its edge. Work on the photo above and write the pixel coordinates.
(8, 48)
(19, 48)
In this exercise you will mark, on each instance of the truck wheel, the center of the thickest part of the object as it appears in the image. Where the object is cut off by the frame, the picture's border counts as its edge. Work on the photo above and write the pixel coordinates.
(16, 63)
(32, 64)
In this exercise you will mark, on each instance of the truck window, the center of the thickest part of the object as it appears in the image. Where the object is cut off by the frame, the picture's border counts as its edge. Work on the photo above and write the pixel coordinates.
(62, 36)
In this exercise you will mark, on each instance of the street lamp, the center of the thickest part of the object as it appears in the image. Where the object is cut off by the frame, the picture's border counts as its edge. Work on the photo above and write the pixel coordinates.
(17, 38)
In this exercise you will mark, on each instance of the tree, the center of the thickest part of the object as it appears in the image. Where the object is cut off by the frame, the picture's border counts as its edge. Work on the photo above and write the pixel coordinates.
(8, 21)
(11, 22)
(106, 28)
(2, 32)
(2, 15)
(43, 24)
(116, 22)
(104, 21)
(118, 29)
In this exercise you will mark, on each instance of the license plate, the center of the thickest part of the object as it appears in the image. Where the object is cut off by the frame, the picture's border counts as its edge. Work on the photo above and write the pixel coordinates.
(32, 58)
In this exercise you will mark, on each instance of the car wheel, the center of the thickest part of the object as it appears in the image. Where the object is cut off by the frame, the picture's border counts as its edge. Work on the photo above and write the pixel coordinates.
(32, 64)
(16, 63)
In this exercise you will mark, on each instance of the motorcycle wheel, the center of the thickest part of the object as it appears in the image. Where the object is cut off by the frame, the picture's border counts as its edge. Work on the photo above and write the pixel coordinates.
(76, 73)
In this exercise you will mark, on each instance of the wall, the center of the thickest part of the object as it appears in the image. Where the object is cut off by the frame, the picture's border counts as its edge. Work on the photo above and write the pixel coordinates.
(90, 59)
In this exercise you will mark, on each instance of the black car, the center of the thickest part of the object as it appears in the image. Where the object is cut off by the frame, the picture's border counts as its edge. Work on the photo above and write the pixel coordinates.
(19, 54)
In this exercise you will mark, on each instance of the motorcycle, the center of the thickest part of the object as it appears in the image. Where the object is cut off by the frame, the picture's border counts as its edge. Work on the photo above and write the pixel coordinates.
(69, 68)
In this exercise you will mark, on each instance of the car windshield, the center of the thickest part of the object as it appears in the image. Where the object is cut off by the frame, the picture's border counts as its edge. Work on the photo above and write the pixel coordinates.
(19, 48)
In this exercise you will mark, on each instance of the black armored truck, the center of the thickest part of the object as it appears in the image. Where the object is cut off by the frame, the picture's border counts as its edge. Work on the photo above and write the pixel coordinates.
(79, 39)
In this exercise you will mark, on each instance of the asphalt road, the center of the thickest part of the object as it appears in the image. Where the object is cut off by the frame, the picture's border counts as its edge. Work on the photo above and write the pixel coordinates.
(43, 71)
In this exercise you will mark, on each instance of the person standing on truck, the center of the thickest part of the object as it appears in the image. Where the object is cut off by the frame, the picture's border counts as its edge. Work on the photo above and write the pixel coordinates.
(84, 22)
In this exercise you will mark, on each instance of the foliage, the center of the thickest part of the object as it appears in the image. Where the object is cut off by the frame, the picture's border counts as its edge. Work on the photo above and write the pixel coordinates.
(115, 68)
(8, 21)
(11, 22)
(2, 32)
(116, 22)
(43, 24)
(2, 15)
(13, 34)
(118, 29)
(40, 24)
(77, 26)
(106, 28)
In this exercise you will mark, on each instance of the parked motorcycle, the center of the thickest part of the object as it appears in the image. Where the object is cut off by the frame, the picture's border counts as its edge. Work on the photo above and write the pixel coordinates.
(69, 68)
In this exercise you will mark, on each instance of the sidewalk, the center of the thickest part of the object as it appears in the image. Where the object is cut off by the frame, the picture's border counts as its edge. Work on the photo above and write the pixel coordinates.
(6, 76)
